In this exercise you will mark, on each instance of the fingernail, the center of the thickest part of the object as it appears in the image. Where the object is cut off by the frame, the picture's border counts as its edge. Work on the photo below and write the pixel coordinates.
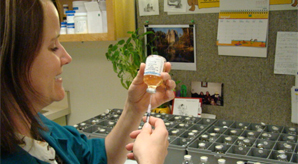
(146, 125)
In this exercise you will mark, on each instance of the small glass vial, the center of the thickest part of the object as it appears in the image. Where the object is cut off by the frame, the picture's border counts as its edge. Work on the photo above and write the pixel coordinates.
(247, 143)
(216, 130)
(290, 139)
(292, 131)
(219, 149)
(191, 135)
(204, 160)
(221, 161)
(174, 133)
(275, 129)
(76, 126)
(212, 137)
(102, 131)
(204, 138)
(83, 126)
(202, 145)
(282, 157)
(187, 121)
(181, 126)
(265, 136)
(111, 124)
(260, 145)
(240, 141)
(288, 148)
(167, 124)
(228, 140)
(251, 135)
(187, 159)
(177, 119)
(115, 117)
(195, 131)
(233, 132)
(152, 73)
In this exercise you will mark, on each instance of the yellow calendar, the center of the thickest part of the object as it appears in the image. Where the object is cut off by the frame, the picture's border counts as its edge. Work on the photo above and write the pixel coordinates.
(243, 25)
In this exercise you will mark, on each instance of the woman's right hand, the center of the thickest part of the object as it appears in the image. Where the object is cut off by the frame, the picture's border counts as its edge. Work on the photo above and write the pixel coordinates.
(150, 146)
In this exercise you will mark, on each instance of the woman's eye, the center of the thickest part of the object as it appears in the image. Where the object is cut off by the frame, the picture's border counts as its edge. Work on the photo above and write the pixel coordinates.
(54, 49)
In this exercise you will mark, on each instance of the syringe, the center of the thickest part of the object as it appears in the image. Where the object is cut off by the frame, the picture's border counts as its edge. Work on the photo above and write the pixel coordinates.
(149, 110)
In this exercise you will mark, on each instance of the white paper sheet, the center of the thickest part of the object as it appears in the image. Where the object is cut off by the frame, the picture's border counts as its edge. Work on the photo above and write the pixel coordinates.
(286, 53)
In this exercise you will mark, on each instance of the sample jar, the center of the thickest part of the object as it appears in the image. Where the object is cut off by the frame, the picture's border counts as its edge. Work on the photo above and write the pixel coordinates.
(80, 5)
(80, 21)
(70, 28)
(152, 73)
(63, 28)
(65, 8)
(70, 16)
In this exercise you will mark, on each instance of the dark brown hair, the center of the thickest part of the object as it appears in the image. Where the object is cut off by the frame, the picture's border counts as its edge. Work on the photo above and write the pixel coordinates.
(21, 33)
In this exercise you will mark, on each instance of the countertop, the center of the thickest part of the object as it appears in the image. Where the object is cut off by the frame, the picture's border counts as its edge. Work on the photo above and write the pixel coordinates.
(57, 109)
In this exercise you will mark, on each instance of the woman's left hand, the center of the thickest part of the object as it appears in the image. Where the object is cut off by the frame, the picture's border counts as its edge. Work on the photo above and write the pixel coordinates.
(139, 99)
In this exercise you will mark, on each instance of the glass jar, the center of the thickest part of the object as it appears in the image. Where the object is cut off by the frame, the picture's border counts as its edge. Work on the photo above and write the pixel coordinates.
(240, 141)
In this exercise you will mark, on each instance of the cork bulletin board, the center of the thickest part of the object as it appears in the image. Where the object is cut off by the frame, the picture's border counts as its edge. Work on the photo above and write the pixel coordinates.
(252, 92)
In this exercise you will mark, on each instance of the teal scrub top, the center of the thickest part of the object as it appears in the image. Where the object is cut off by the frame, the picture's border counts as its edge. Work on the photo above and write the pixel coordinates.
(70, 145)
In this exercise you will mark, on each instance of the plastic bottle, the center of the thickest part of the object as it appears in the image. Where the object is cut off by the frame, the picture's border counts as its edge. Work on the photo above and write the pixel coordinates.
(103, 9)
(187, 159)
(63, 29)
(80, 20)
(70, 16)
(204, 160)
(152, 74)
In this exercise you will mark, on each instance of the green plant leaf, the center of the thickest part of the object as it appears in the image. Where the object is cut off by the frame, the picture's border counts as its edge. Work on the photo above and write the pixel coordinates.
(121, 42)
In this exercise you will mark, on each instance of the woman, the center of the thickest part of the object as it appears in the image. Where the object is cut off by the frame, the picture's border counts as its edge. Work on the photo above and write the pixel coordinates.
(31, 63)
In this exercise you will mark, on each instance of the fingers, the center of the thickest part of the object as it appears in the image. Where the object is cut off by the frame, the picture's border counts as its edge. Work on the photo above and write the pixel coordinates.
(134, 134)
(129, 147)
(130, 156)
(168, 66)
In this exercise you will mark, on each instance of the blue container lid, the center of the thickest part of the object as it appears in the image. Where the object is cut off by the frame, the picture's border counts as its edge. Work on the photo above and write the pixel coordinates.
(63, 23)
(75, 8)
(70, 12)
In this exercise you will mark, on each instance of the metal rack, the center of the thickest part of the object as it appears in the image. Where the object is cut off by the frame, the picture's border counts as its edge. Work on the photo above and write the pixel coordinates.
(180, 144)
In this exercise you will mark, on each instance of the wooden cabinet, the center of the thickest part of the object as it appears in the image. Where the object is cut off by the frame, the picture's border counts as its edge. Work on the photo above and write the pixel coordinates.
(110, 35)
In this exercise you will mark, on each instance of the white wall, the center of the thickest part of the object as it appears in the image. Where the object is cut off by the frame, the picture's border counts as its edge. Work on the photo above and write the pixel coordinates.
(91, 81)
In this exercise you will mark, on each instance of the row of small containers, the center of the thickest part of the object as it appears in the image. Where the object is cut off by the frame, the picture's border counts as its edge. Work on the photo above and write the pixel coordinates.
(180, 144)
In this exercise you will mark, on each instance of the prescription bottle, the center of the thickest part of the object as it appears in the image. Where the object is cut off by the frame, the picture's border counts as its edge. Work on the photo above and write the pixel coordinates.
(70, 28)
(81, 23)
(70, 16)
(152, 73)
(63, 28)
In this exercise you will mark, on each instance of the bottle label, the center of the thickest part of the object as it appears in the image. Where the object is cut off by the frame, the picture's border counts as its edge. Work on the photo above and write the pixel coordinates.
(154, 65)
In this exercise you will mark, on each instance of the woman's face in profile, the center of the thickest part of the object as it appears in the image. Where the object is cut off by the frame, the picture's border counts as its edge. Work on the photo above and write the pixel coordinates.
(47, 66)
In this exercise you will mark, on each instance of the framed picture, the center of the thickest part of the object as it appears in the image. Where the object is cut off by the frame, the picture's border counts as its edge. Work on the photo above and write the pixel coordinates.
(187, 106)
(204, 84)
(148, 7)
(211, 93)
(176, 43)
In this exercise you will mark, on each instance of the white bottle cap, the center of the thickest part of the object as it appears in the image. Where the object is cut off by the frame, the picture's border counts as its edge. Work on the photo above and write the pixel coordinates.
(187, 157)
(151, 90)
(240, 162)
(221, 161)
(204, 158)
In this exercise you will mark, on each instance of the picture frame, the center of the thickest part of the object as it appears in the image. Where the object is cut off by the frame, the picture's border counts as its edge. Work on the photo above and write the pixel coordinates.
(176, 43)
(204, 84)
(187, 106)
(212, 93)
